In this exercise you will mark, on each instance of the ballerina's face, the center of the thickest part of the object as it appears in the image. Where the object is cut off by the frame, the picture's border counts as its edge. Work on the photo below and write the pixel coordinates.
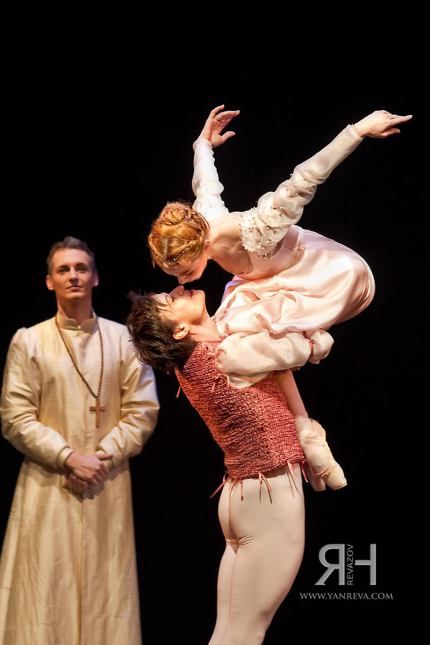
(189, 271)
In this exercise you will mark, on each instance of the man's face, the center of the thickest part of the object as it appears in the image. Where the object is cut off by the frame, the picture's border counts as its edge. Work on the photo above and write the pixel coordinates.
(72, 275)
(181, 306)
(189, 271)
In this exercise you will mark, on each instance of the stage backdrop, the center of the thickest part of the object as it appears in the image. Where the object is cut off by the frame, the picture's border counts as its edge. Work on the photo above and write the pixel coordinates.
(102, 108)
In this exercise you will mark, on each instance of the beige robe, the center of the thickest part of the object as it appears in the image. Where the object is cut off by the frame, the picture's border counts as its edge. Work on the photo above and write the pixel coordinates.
(68, 570)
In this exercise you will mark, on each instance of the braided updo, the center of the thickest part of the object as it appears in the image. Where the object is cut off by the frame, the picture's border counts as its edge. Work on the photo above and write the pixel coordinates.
(179, 232)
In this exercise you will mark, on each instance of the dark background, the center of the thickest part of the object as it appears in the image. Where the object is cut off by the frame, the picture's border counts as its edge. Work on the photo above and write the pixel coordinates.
(100, 108)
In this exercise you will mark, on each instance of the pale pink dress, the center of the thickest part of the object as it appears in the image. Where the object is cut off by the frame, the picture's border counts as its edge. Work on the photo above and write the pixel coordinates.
(300, 281)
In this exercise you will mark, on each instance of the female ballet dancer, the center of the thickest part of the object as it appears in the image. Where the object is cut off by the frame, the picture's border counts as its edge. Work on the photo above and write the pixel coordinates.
(290, 284)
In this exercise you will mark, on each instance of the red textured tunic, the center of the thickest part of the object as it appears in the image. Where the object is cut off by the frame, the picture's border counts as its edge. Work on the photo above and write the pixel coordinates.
(252, 426)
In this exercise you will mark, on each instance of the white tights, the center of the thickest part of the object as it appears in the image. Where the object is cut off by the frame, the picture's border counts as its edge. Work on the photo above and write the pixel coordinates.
(264, 549)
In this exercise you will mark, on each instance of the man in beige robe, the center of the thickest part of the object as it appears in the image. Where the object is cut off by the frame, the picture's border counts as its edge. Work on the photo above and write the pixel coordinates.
(77, 404)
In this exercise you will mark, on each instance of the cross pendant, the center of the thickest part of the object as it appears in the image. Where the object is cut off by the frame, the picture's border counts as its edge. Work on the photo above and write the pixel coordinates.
(97, 408)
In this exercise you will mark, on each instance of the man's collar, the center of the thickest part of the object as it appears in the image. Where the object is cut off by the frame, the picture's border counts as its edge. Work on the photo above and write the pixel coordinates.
(87, 325)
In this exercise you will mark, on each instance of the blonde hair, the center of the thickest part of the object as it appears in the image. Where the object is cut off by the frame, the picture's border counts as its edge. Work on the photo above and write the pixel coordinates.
(179, 232)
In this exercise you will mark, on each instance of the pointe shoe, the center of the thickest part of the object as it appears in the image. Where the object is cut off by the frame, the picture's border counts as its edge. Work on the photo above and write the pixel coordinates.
(322, 464)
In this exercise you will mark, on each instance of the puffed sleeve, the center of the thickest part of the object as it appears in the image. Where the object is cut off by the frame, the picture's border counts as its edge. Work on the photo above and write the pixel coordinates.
(139, 408)
(248, 358)
(20, 403)
(206, 186)
(263, 227)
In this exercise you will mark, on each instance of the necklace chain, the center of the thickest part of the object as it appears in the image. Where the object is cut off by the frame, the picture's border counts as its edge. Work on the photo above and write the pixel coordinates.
(75, 365)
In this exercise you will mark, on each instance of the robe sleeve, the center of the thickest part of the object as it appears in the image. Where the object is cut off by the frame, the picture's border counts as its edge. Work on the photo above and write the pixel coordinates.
(139, 408)
(20, 404)
(206, 185)
(263, 227)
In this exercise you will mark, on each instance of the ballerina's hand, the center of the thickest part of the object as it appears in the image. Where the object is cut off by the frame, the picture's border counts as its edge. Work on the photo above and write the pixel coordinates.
(380, 124)
(213, 128)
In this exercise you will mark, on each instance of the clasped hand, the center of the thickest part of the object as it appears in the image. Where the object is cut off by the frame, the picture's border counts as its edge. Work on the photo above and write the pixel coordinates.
(86, 470)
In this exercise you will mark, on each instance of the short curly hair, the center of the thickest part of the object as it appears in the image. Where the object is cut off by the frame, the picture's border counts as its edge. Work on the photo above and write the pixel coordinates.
(153, 338)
